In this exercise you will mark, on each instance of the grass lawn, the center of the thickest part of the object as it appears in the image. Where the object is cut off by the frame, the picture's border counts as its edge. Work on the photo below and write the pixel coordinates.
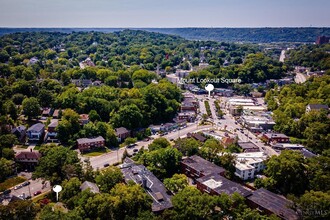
(96, 152)
(21, 147)
(11, 182)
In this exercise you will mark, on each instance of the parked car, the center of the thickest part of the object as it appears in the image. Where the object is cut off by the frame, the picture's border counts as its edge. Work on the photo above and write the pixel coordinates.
(37, 193)
(7, 191)
(135, 150)
(18, 187)
(28, 197)
(106, 165)
(26, 183)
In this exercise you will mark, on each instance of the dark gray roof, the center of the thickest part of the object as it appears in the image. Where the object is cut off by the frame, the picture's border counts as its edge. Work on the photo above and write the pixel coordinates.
(20, 129)
(318, 106)
(247, 145)
(121, 130)
(89, 185)
(153, 186)
(203, 166)
(223, 185)
(307, 153)
(37, 127)
(274, 203)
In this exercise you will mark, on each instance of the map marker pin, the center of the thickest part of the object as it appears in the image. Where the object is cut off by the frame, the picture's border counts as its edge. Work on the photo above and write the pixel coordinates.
(209, 88)
(57, 189)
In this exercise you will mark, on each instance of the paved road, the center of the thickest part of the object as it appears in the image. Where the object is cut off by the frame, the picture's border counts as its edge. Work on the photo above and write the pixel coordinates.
(116, 155)
(282, 56)
(300, 78)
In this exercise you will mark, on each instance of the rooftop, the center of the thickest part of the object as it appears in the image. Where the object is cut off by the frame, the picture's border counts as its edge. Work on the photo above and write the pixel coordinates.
(89, 140)
(274, 203)
(89, 185)
(28, 155)
(275, 135)
(37, 127)
(203, 166)
(220, 185)
(247, 145)
(153, 186)
(318, 106)
(121, 130)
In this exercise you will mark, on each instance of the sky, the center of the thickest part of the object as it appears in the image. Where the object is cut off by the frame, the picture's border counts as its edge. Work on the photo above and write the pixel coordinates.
(164, 13)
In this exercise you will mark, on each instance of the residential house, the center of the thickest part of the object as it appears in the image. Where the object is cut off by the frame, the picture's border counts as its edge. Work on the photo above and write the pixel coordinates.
(271, 203)
(36, 132)
(28, 159)
(20, 133)
(83, 119)
(91, 186)
(46, 112)
(226, 141)
(122, 133)
(196, 167)
(51, 131)
(86, 83)
(197, 137)
(316, 107)
(150, 183)
(276, 137)
(85, 144)
(215, 184)
(56, 114)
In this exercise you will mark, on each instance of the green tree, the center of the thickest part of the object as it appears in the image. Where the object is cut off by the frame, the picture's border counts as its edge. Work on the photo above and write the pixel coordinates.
(129, 200)
(288, 171)
(31, 107)
(10, 108)
(315, 205)
(163, 162)
(8, 153)
(68, 127)
(93, 116)
(108, 178)
(46, 98)
(20, 209)
(158, 144)
(187, 146)
(71, 188)
(176, 183)
(5, 168)
(57, 164)
(128, 116)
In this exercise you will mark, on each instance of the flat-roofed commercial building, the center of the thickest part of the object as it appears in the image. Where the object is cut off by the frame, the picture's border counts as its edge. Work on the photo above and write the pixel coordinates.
(196, 167)
(215, 184)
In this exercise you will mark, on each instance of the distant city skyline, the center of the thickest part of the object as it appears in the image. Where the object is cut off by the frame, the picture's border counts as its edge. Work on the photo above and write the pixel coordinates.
(164, 14)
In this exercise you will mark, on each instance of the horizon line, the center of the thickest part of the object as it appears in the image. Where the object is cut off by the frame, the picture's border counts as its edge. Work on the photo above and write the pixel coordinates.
(169, 27)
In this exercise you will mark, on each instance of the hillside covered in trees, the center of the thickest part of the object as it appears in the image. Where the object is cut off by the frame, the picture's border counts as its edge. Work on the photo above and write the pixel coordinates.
(255, 35)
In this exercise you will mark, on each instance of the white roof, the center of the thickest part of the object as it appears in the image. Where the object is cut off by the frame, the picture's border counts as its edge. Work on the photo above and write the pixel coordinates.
(211, 183)
(242, 103)
(253, 155)
(241, 100)
(243, 166)
(257, 108)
